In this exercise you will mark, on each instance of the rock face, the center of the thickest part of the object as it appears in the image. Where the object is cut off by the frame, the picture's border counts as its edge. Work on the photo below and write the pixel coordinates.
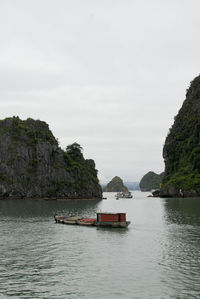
(150, 181)
(115, 185)
(181, 151)
(33, 165)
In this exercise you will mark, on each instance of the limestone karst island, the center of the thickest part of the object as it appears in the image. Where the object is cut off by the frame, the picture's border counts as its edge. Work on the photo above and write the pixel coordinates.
(32, 165)
(181, 150)
(115, 185)
(150, 181)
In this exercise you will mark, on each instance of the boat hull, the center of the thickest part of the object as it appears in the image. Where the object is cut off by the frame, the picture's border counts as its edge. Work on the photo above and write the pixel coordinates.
(90, 222)
(124, 195)
(113, 224)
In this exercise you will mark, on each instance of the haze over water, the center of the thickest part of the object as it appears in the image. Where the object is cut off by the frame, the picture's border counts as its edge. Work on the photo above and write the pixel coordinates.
(157, 257)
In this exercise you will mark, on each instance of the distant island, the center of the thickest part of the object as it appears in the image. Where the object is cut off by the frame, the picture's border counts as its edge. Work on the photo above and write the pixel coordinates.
(129, 185)
(181, 150)
(132, 185)
(151, 181)
(32, 165)
(115, 185)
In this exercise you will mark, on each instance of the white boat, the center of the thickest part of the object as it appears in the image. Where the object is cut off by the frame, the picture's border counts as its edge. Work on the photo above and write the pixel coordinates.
(127, 194)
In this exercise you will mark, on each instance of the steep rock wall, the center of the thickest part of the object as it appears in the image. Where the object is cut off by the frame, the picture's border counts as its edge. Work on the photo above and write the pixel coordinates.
(33, 165)
(181, 150)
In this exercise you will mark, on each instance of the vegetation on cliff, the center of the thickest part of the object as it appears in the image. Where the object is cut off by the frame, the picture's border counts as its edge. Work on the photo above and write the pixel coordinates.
(33, 165)
(150, 181)
(115, 185)
(181, 151)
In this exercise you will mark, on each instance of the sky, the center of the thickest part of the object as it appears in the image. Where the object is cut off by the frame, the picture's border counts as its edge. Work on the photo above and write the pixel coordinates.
(108, 74)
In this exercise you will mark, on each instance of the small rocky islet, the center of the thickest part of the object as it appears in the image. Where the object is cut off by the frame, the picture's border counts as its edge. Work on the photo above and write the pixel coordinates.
(32, 165)
(150, 181)
(115, 185)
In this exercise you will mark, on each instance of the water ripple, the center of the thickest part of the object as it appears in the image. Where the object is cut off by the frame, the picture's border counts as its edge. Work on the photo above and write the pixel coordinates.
(157, 257)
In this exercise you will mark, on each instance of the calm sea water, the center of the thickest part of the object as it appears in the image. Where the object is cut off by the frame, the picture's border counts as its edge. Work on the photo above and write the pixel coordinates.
(157, 257)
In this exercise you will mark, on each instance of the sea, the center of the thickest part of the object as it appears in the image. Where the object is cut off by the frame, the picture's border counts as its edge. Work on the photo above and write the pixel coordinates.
(158, 256)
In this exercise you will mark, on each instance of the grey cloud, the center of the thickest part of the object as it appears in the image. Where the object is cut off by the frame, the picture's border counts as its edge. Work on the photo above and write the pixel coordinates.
(110, 75)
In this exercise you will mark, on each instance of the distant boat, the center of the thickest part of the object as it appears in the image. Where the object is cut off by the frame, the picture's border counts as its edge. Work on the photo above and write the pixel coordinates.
(116, 220)
(124, 195)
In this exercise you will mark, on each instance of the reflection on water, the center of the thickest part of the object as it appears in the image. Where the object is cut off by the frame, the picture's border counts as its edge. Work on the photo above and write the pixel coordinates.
(183, 210)
(158, 256)
(45, 208)
(181, 253)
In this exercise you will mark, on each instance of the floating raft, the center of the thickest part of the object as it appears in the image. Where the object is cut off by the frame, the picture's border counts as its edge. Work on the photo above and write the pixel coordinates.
(117, 220)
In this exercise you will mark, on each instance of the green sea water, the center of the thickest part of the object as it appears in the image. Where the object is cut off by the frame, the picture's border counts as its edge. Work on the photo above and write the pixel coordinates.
(158, 256)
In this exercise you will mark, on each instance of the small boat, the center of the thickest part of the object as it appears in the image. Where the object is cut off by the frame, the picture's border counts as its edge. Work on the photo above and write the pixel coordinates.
(117, 220)
(124, 195)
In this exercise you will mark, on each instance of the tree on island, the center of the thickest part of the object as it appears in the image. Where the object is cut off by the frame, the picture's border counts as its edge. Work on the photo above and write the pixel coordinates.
(74, 151)
(74, 147)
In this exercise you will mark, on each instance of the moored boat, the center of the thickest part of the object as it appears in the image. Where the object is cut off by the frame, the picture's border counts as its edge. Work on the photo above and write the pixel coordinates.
(116, 220)
(124, 195)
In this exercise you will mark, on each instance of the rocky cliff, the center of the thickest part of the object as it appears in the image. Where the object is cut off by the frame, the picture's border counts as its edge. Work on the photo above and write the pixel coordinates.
(181, 150)
(33, 165)
(115, 185)
(150, 181)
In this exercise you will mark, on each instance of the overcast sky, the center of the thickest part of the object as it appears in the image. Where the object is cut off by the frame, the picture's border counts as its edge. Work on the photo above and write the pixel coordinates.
(108, 74)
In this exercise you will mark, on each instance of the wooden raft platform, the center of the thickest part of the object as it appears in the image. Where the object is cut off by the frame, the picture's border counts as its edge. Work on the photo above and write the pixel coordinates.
(117, 220)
